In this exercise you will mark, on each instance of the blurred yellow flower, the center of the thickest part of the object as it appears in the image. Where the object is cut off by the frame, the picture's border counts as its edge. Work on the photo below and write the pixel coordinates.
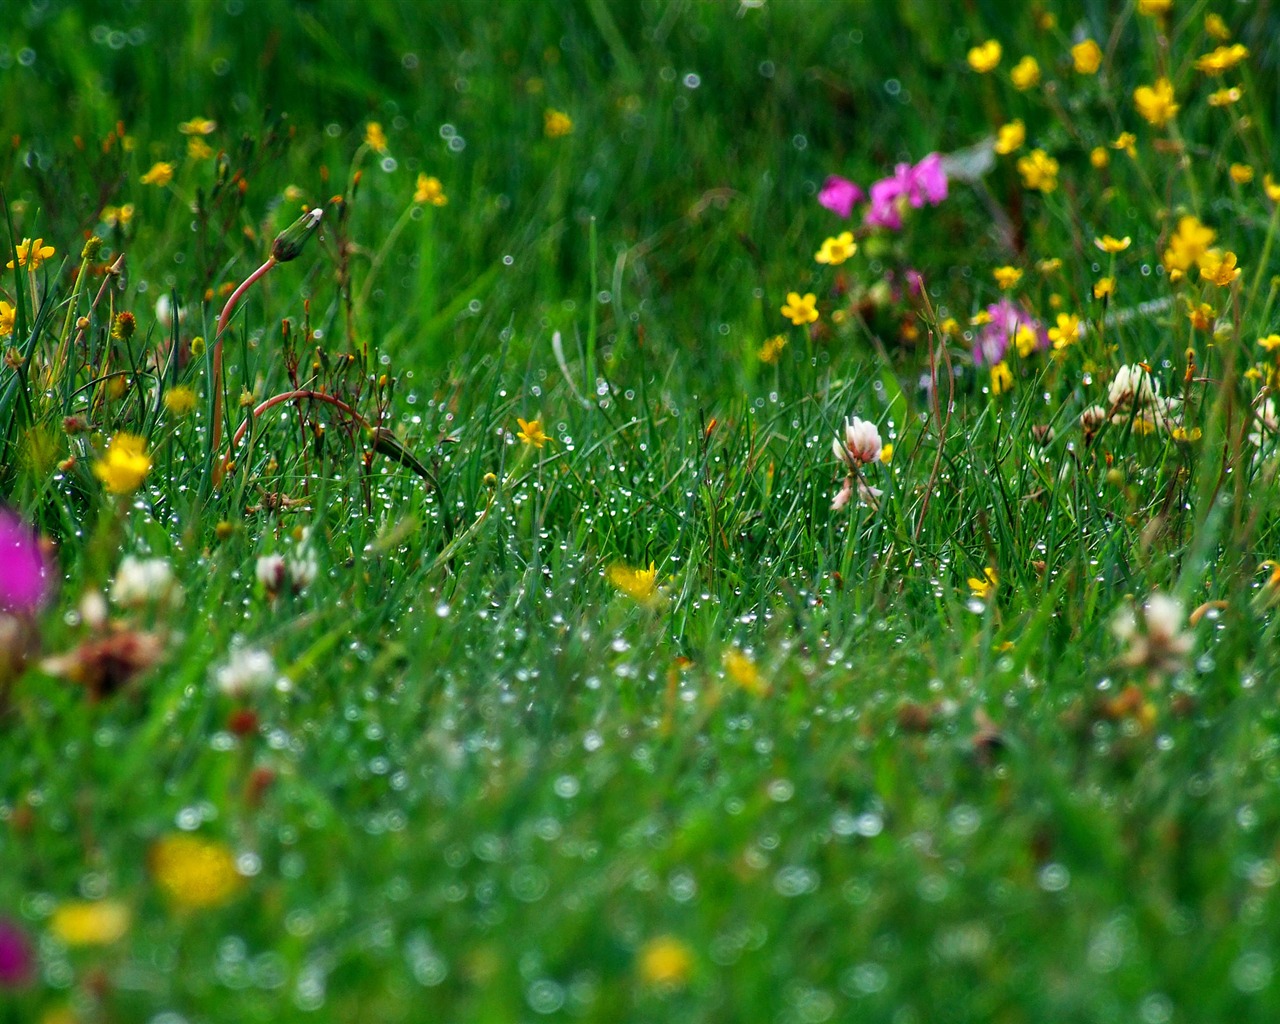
(1216, 27)
(1086, 57)
(531, 433)
(198, 149)
(801, 309)
(96, 923)
(836, 250)
(1225, 97)
(982, 588)
(8, 315)
(1224, 58)
(429, 190)
(1067, 331)
(772, 349)
(886, 453)
(665, 962)
(556, 124)
(1025, 74)
(1154, 8)
(161, 174)
(1201, 315)
(1218, 267)
(1010, 137)
(180, 400)
(1155, 102)
(1126, 141)
(742, 670)
(641, 585)
(1271, 342)
(1108, 243)
(198, 126)
(1001, 378)
(985, 56)
(194, 873)
(1271, 188)
(125, 464)
(1241, 174)
(1007, 277)
(1187, 244)
(1099, 157)
(374, 137)
(1104, 288)
(1039, 171)
(1026, 340)
(31, 254)
(117, 216)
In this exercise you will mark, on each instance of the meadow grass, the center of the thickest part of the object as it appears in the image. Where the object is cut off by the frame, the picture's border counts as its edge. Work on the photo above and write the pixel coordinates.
(540, 679)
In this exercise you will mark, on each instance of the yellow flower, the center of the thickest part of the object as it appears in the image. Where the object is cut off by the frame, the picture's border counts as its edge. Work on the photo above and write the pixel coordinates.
(1107, 243)
(7, 318)
(198, 126)
(194, 873)
(160, 175)
(1225, 97)
(1104, 288)
(198, 149)
(180, 400)
(1039, 171)
(1025, 74)
(1126, 141)
(1224, 58)
(1049, 266)
(374, 137)
(1086, 57)
(742, 670)
(985, 57)
(1187, 244)
(117, 216)
(772, 349)
(1271, 188)
(982, 588)
(1154, 8)
(665, 962)
(1067, 332)
(429, 190)
(801, 309)
(886, 453)
(1271, 342)
(1201, 316)
(97, 923)
(1026, 340)
(1216, 27)
(980, 318)
(836, 250)
(1155, 102)
(531, 433)
(641, 585)
(125, 465)
(1010, 137)
(1007, 277)
(1218, 267)
(1001, 378)
(1185, 435)
(31, 254)
(1241, 174)
(1099, 157)
(556, 124)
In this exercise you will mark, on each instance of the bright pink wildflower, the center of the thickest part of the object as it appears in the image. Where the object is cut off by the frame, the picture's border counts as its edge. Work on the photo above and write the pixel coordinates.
(839, 194)
(24, 576)
(993, 340)
(17, 961)
(884, 211)
(925, 182)
(931, 179)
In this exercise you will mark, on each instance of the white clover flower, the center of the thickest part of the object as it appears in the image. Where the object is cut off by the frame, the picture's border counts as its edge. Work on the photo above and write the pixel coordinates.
(302, 568)
(1265, 423)
(143, 581)
(247, 670)
(1154, 636)
(271, 572)
(1132, 386)
(859, 444)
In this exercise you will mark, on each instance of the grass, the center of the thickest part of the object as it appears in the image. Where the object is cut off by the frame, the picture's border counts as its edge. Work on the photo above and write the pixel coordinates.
(808, 773)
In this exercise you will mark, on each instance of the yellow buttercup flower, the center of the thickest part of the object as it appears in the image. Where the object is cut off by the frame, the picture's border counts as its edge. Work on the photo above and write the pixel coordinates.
(180, 400)
(1049, 266)
(1225, 97)
(1223, 59)
(886, 453)
(1067, 332)
(1010, 137)
(1271, 342)
(429, 190)
(1099, 157)
(125, 464)
(836, 250)
(374, 137)
(1025, 74)
(1039, 171)
(198, 126)
(1241, 174)
(743, 670)
(1271, 188)
(1127, 142)
(556, 124)
(31, 254)
(1218, 267)
(801, 309)
(1007, 277)
(772, 349)
(1154, 8)
(1155, 102)
(1190, 240)
(90, 923)
(160, 175)
(984, 587)
(8, 317)
(985, 57)
(1026, 340)
(1109, 244)
(665, 962)
(641, 585)
(1201, 315)
(1001, 378)
(531, 433)
(1086, 57)
(1216, 27)
(198, 149)
(195, 873)
(1104, 288)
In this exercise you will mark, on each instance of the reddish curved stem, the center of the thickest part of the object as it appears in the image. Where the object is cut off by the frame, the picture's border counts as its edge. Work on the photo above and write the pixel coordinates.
(280, 399)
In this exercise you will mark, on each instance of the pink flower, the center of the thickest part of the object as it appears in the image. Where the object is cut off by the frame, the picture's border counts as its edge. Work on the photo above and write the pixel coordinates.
(859, 443)
(884, 211)
(17, 961)
(24, 576)
(839, 194)
(992, 342)
(925, 182)
(930, 179)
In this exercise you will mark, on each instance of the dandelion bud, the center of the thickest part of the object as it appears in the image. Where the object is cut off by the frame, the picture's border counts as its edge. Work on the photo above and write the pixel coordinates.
(91, 248)
(82, 323)
(288, 244)
(124, 326)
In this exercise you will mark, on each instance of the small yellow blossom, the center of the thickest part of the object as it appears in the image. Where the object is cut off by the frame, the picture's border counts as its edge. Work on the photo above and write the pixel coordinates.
(742, 670)
(1001, 378)
(772, 349)
(31, 254)
(429, 190)
(1201, 316)
(1126, 142)
(980, 318)
(886, 453)
(160, 175)
(641, 585)
(665, 962)
(1155, 102)
(1271, 342)
(1104, 288)
(1099, 157)
(96, 923)
(836, 250)
(198, 149)
(1067, 332)
(1218, 267)
(1007, 277)
(1154, 8)
(1010, 137)
(180, 400)
(985, 57)
(985, 586)
(374, 137)
(1186, 436)
(194, 873)
(1108, 243)
(117, 216)
(556, 124)
(950, 327)
(1216, 27)
(801, 309)
(125, 464)
(1086, 57)
(1224, 58)
(8, 316)
(1241, 174)
(198, 126)
(1049, 266)
(1190, 240)
(1039, 171)
(1025, 74)
(1226, 96)
(531, 433)
(1026, 340)
(1271, 187)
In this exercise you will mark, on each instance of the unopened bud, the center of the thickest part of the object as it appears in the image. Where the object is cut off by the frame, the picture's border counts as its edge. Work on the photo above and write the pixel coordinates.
(91, 248)
(288, 244)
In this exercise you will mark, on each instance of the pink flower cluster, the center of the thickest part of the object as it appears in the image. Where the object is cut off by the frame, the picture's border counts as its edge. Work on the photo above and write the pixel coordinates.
(24, 575)
(992, 342)
(910, 185)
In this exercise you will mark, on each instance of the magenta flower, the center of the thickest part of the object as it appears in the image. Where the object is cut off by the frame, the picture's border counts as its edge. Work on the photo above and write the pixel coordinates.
(17, 962)
(884, 211)
(930, 179)
(992, 342)
(24, 576)
(925, 182)
(839, 194)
